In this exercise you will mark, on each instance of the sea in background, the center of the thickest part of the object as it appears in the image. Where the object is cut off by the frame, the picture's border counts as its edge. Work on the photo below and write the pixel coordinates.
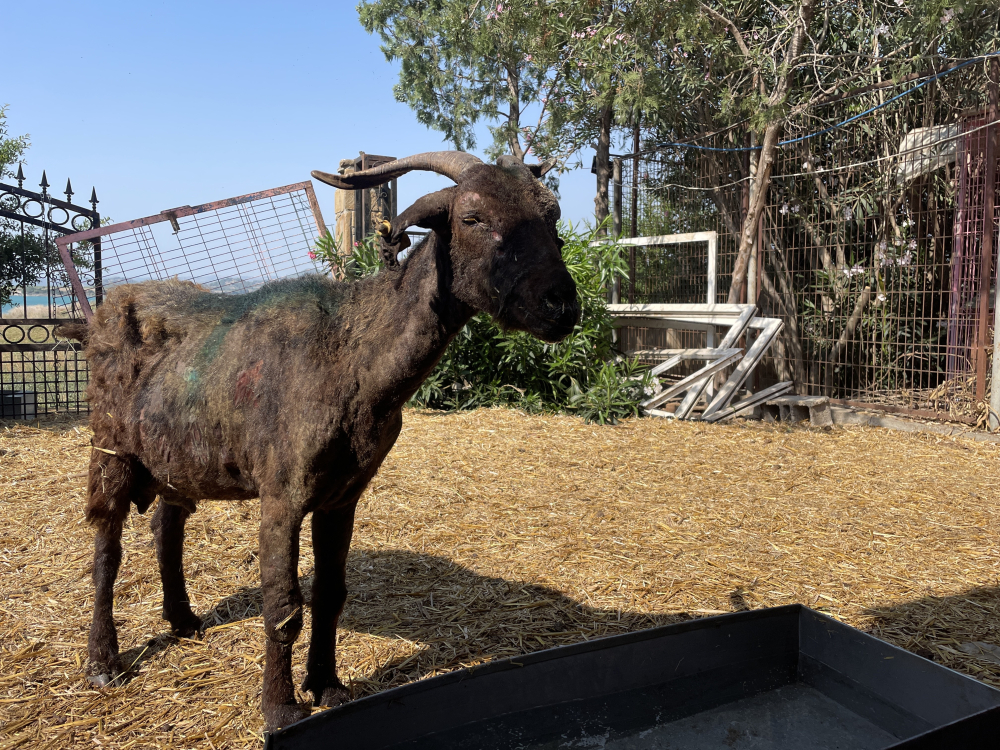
(33, 299)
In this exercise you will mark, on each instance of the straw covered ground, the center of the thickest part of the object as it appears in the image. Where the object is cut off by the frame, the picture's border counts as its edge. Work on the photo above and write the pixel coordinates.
(491, 533)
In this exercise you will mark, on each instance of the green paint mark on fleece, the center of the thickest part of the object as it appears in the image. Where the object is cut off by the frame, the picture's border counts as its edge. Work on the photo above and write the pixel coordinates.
(321, 292)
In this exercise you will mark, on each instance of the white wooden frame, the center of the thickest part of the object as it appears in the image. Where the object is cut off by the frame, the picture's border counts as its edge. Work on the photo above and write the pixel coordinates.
(738, 318)
(712, 238)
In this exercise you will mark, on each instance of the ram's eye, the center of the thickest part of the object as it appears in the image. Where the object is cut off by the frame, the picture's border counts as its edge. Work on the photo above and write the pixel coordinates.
(470, 220)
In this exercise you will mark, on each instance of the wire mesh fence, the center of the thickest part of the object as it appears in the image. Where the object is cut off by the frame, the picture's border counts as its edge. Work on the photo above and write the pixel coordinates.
(234, 245)
(874, 245)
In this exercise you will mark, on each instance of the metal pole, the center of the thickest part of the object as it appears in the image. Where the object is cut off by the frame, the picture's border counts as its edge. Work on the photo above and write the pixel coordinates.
(616, 216)
(616, 225)
(635, 211)
(635, 181)
(989, 235)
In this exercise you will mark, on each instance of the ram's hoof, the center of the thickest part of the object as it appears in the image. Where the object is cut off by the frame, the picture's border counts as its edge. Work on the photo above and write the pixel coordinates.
(285, 715)
(187, 626)
(334, 696)
(100, 680)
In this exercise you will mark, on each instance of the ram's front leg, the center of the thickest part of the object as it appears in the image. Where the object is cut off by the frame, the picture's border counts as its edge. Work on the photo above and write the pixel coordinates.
(279, 558)
(331, 541)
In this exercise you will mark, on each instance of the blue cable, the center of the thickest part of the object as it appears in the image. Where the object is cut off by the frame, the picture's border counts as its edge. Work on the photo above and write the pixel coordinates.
(839, 124)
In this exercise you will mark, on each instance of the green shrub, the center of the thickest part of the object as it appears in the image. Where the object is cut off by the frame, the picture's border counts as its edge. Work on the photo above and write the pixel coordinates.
(487, 366)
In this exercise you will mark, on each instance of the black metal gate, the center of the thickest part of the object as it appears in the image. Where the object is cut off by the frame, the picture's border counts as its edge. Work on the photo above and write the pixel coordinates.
(40, 373)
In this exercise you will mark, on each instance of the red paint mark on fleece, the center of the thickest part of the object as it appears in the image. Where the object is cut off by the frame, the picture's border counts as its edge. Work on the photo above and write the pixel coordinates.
(246, 386)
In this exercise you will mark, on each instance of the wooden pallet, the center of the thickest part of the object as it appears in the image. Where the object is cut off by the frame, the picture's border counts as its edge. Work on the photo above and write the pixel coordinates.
(739, 319)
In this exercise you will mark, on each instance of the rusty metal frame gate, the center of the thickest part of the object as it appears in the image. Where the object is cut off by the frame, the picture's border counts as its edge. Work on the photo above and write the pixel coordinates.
(231, 245)
(39, 373)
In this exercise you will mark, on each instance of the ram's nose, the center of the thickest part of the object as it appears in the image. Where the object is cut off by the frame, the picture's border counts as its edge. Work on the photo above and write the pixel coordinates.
(562, 310)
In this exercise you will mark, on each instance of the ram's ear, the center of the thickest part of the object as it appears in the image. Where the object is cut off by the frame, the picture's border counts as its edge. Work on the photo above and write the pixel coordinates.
(430, 212)
(540, 169)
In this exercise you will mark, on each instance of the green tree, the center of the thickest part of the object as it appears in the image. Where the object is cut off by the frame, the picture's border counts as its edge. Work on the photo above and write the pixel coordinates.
(12, 148)
(550, 76)
(22, 255)
(763, 65)
(464, 62)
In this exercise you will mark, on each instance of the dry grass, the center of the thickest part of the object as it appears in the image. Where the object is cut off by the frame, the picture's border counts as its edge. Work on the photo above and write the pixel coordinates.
(491, 533)
(37, 311)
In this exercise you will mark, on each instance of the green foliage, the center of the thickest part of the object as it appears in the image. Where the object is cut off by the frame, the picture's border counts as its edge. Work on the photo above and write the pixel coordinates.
(487, 366)
(12, 148)
(363, 260)
(23, 258)
(539, 72)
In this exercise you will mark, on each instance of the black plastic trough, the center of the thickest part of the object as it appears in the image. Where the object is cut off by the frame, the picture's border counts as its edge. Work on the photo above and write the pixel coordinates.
(786, 677)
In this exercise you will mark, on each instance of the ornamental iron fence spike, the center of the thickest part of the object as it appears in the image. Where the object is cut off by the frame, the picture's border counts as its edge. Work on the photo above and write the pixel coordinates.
(69, 191)
(20, 176)
(93, 198)
(44, 183)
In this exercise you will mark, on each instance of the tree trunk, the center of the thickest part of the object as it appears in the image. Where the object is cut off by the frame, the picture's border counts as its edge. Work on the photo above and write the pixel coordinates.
(601, 208)
(758, 199)
(765, 161)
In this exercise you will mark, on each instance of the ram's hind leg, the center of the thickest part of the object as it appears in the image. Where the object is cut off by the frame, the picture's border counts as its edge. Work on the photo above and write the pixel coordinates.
(113, 483)
(168, 533)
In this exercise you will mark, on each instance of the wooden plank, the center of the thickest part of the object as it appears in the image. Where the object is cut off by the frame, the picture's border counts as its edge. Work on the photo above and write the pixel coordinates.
(750, 401)
(688, 403)
(683, 410)
(669, 364)
(664, 239)
(659, 413)
(658, 322)
(686, 309)
(753, 356)
(805, 401)
(689, 354)
(693, 323)
(708, 370)
(736, 330)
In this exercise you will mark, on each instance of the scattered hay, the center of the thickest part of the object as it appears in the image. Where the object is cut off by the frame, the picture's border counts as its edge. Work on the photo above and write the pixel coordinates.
(491, 533)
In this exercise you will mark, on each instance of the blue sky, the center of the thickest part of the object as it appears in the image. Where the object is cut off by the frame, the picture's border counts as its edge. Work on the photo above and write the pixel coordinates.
(159, 105)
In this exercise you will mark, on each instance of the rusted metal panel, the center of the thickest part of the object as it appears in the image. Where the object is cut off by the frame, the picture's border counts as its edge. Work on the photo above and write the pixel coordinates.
(234, 244)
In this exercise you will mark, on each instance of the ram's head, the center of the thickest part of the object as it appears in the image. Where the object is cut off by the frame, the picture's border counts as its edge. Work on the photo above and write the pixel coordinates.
(498, 226)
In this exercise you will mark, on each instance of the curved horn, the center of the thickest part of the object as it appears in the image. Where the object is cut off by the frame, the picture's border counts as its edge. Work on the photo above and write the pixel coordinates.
(451, 164)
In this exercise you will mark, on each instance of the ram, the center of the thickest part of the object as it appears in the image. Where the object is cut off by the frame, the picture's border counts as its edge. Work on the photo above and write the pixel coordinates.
(294, 394)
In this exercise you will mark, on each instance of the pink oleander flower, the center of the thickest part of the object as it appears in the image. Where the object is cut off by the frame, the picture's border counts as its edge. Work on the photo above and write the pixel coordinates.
(312, 255)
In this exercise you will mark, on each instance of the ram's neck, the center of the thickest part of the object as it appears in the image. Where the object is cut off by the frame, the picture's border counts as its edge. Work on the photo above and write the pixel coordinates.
(412, 316)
